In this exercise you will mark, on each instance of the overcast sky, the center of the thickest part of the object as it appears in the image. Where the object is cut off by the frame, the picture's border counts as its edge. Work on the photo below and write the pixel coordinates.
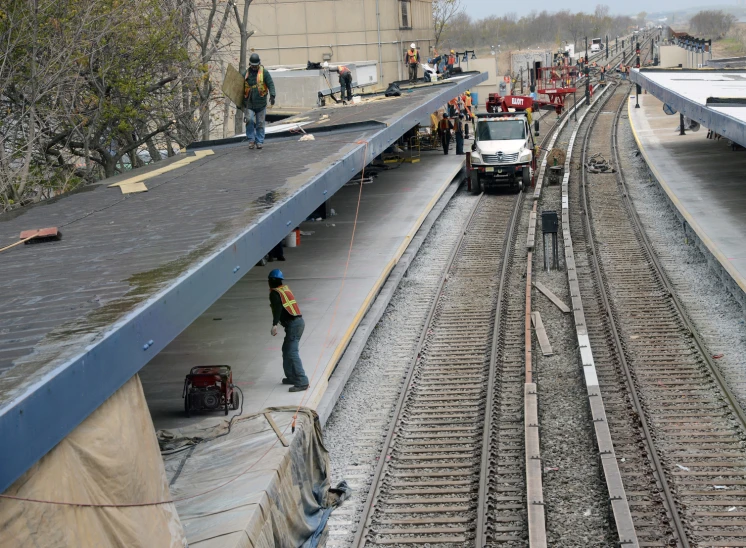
(483, 8)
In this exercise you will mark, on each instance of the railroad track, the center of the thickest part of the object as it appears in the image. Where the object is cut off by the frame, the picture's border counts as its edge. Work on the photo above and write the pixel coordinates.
(451, 470)
(427, 485)
(678, 432)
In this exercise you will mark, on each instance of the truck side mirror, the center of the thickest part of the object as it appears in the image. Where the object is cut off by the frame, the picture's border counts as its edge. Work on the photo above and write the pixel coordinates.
(536, 127)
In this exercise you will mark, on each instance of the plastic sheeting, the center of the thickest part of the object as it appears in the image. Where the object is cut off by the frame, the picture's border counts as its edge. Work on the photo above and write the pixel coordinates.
(111, 458)
(245, 489)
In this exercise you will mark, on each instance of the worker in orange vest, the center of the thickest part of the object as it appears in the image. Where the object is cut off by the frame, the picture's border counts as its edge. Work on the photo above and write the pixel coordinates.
(412, 60)
(467, 110)
(468, 104)
(452, 107)
(345, 82)
(450, 61)
(444, 129)
(286, 312)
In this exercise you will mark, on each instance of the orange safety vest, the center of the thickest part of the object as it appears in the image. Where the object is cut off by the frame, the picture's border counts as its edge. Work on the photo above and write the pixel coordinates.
(260, 85)
(453, 101)
(412, 56)
(451, 60)
(288, 300)
(467, 101)
(342, 69)
(444, 124)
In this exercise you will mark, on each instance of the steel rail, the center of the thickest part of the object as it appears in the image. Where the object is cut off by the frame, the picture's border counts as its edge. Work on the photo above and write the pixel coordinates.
(359, 540)
(482, 518)
(659, 472)
(663, 278)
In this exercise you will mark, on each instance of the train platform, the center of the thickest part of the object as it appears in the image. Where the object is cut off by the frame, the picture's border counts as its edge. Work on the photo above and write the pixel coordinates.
(236, 329)
(703, 179)
(144, 254)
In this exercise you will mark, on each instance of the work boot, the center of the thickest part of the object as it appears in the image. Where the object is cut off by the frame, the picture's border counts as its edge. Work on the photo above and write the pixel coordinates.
(259, 146)
(252, 144)
(298, 388)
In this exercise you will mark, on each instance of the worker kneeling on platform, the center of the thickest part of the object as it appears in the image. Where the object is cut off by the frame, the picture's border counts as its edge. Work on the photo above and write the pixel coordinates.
(286, 312)
(257, 85)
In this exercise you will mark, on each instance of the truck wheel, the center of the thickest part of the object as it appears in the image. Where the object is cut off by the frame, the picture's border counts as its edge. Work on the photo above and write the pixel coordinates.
(474, 182)
(526, 177)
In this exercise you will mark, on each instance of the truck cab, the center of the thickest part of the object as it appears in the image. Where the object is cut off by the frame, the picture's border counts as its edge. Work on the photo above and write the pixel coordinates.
(502, 155)
(597, 45)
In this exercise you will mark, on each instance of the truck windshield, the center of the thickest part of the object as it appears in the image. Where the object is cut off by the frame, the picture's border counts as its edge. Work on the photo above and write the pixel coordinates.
(501, 131)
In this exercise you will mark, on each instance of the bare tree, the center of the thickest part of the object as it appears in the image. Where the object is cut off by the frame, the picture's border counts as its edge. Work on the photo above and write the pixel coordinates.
(206, 33)
(712, 23)
(443, 12)
(242, 22)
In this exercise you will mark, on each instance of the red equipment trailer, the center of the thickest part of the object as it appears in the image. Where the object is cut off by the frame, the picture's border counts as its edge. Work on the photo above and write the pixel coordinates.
(556, 83)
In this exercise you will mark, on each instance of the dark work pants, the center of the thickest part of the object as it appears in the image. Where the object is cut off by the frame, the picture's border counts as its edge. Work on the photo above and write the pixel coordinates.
(345, 83)
(459, 143)
(413, 72)
(291, 363)
(445, 140)
(277, 251)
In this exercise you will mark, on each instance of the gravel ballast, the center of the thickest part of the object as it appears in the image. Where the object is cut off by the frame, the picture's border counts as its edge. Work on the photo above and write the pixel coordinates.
(717, 315)
(357, 426)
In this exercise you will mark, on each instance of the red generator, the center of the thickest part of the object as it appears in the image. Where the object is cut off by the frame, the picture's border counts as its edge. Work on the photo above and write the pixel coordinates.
(209, 388)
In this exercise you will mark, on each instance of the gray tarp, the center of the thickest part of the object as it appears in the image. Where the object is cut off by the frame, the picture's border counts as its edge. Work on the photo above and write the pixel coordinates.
(246, 489)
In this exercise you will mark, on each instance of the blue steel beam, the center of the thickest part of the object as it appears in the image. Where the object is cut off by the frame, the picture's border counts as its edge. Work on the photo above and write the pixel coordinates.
(718, 121)
(37, 418)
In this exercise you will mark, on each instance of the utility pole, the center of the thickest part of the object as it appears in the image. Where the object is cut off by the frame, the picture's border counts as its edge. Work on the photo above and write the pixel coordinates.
(586, 50)
(637, 50)
(607, 47)
(616, 45)
(587, 85)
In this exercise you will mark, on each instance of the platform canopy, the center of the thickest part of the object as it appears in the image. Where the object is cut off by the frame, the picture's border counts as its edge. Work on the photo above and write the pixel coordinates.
(144, 254)
(714, 98)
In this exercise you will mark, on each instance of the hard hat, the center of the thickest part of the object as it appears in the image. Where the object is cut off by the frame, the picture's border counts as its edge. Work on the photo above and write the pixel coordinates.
(412, 45)
(453, 51)
(326, 64)
(468, 92)
(277, 274)
(254, 59)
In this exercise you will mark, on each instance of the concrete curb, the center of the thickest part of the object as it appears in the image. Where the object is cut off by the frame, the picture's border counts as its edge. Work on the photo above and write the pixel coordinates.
(349, 359)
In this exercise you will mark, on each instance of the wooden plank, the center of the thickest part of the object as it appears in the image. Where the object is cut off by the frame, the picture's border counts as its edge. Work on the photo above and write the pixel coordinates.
(273, 424)
(552, 297)
(233, 86)
(131, 188)
(541, 334)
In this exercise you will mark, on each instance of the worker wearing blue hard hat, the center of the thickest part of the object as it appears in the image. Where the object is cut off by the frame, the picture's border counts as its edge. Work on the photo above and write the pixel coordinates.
(286, 312)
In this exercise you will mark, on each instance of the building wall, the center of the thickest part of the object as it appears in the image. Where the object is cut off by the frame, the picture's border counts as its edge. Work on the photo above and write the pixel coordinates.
(672, 56)
(297, 31)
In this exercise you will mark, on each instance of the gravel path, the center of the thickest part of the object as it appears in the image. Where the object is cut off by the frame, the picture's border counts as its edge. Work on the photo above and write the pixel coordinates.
(357, 425)
(717, 315)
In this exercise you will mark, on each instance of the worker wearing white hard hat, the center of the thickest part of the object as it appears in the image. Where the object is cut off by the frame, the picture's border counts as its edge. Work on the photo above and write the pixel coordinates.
(412, 60)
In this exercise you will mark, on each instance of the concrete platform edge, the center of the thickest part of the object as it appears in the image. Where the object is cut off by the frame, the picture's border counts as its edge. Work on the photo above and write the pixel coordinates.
(342, 370)
(715, 259)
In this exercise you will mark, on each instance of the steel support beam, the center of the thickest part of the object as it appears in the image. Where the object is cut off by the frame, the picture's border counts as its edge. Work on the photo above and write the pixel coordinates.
(36, 417)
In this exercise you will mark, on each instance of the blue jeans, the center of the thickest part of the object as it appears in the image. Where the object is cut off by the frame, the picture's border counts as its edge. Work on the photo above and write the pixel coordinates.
(291, 363)
(255, 120)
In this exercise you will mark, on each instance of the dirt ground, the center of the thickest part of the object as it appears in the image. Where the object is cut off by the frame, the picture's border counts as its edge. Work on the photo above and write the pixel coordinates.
(733, 45)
